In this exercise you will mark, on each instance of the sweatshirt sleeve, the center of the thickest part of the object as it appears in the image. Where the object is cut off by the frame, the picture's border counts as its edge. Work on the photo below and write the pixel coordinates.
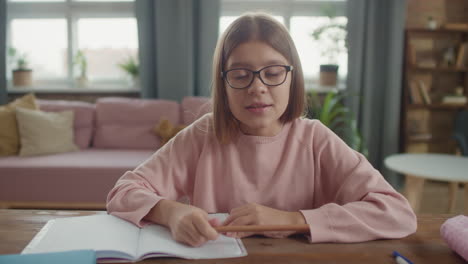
(353, 201)
(165, 175)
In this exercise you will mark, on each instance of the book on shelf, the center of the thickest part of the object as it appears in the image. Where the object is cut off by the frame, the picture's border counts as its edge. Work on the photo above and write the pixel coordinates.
(418, 122)
(116, 240)
(420, 137)
(419, 147)
(456, 26)
(411, 55)
(424, 92)
(428, 63)
(462, 56)
(415, 95)
(454, 99)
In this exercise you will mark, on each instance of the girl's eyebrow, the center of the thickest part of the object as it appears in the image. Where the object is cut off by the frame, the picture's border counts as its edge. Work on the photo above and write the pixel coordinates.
(244, 64)
(240, 64)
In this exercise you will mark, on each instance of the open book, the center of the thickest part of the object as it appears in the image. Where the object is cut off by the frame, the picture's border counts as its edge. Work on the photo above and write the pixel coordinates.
(114, 239)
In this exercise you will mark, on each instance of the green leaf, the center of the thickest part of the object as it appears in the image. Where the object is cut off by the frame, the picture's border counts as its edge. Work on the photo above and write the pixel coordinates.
(130, 66)
(338, 111)
(337, 121)
(328, 103)
(331, 111)
(81, 61)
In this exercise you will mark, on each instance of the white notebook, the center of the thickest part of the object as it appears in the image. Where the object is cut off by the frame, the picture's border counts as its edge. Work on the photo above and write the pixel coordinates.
(115, 239)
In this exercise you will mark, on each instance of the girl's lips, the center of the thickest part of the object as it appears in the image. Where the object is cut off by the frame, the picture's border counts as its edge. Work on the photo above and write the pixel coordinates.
(258, 108)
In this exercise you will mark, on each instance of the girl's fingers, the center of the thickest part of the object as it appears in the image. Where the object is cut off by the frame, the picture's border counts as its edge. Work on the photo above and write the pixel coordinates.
(236, 213)
(189, 233)
(204, 229)
(214, 222)
(193, 227)
(238, 210)
(244, 234)
(194, 240)
(192, 235)
(243, 220)
(277, 234)
(239, 234)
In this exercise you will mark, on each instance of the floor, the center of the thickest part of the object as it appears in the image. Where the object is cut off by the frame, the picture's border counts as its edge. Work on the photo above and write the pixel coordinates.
(435, 198)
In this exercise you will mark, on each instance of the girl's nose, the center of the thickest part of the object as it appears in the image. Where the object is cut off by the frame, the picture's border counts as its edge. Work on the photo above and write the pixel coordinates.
(257, 86)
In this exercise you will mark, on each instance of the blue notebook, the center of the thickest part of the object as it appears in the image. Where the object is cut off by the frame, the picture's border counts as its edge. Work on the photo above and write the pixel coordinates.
(69, 257)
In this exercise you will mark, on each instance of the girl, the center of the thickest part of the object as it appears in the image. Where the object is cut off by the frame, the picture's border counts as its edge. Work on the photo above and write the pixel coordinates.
(256, 159)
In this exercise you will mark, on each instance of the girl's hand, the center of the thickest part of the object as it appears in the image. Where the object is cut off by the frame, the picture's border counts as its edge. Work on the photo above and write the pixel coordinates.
(188, 224)
(255, 214)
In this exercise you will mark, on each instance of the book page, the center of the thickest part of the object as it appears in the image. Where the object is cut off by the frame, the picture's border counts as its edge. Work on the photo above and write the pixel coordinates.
(157, 241)
(109, 236)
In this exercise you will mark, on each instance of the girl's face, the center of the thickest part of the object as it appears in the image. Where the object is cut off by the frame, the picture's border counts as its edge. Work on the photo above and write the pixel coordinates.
(258, 107)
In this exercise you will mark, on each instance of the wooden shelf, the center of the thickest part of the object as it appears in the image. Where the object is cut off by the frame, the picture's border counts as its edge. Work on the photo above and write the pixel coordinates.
(419, 138)
(428, 140)
(436, 31)
(437, 106)
(437, 69)
(420, 82)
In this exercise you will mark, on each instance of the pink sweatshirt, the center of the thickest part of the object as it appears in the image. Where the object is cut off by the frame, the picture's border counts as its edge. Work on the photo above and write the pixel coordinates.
(306, 168)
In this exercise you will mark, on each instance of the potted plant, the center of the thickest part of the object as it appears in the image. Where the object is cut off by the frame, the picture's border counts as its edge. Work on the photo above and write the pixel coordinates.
(332, 38)
(130, 66)
(331, 111)
(81, 62)
(22, 75)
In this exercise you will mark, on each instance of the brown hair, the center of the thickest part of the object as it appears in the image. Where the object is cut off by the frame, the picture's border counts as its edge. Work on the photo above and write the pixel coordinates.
(248, 27)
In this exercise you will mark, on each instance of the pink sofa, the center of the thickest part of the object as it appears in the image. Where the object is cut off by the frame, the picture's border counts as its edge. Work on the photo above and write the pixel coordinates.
(114, 135)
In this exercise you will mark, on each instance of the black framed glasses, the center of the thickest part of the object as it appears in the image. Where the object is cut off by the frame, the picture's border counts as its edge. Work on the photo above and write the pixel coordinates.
(241, 78)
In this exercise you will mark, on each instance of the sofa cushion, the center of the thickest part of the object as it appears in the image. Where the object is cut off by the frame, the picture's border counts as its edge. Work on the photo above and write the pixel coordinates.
(193, 107)
(84, 176)
(166, 130)
(44, 132)
(128, 123)
(83, 124)
(9, 136)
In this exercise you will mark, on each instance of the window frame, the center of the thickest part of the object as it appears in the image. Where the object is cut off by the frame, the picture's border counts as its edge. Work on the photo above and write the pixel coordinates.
(71, 11)
(287, 9)
(284, 8)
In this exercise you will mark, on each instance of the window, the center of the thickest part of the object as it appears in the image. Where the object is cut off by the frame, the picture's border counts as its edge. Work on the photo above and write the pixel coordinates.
(51, 34)
(315, 52)
(48, 54)
(225, 21)
(105, 51)
(302, 18)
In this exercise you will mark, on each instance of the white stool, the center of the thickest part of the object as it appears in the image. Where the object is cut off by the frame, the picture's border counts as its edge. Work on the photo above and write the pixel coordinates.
(419, 167)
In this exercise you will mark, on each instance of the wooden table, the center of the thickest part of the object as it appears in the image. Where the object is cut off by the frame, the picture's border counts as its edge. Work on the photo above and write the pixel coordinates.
(419, 167)
(18, 227)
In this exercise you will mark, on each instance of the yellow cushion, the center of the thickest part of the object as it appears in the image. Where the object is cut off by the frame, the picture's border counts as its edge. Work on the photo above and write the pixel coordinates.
(45, 132)
(166, 130)
(9, 137)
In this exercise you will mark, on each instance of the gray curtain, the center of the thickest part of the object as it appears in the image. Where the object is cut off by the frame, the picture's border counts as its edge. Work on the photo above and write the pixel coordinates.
(177, 40)
(3, 25)
(376, 45)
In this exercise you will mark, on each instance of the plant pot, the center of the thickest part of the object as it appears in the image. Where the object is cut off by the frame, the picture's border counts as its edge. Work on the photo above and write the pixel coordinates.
(135, 83)
(328, 74)
(22, 77)
(82, 81)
